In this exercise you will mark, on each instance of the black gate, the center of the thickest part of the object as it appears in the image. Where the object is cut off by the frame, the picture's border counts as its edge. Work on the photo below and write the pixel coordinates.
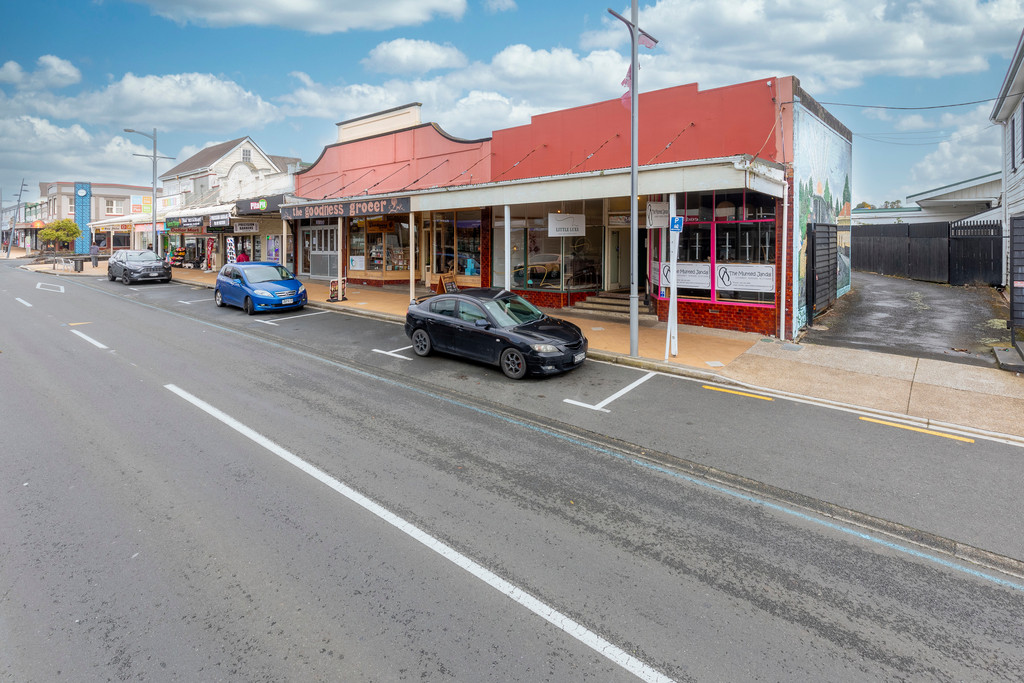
(1016, 282)
(928, 245)
(822, 268)
(976, 253)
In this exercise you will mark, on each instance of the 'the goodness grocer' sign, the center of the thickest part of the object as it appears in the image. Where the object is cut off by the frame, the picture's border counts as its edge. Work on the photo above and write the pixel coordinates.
(369, 207)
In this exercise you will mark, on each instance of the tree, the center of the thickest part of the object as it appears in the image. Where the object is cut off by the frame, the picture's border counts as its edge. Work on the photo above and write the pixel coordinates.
(64, 230)
(894, 204)
(865, 205)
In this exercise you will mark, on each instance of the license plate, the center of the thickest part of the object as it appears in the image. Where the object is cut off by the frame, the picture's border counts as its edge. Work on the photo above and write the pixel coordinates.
(288, 301)
(578, 358)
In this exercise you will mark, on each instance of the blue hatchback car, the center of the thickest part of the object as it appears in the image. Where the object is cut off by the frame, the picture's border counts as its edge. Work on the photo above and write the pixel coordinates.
(259, 286)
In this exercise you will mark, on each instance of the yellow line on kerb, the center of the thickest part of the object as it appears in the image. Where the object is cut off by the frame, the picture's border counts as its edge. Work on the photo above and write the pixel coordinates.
(738, 393)
(918, 429)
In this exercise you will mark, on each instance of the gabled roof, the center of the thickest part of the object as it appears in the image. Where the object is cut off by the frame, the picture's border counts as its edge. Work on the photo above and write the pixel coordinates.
(204, 158)
(1013, 86)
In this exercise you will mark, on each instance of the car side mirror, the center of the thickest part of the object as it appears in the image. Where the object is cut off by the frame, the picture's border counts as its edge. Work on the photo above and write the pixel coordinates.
(482, 323)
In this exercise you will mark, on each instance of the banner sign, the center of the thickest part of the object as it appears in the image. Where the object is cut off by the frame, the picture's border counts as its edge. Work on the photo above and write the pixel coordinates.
(246, 227)
(745, 277)
(369, 207)
(567, 225)
(688, 275)
(220, 220)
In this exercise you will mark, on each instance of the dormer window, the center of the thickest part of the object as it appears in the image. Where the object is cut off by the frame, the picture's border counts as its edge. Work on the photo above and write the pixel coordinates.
(247, 156)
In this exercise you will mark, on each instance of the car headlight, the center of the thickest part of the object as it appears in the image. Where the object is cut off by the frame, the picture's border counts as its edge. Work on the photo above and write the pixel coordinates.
(302, 288)
(261, 292)
(544, 348)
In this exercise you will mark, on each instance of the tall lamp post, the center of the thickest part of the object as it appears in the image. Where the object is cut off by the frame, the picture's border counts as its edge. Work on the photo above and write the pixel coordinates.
(634, 242)
(152, 207)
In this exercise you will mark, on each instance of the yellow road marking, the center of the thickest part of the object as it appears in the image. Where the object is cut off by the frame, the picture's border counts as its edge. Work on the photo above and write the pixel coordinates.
(918, 429)
(73, 324)
(738, 393)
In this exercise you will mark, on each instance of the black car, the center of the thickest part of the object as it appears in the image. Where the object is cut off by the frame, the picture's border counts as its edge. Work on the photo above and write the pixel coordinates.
(495, 326)
(130, 266)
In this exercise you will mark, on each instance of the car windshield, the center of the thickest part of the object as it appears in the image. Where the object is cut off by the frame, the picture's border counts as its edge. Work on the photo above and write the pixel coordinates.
(142, 256)
(266, 273)
(513, 310)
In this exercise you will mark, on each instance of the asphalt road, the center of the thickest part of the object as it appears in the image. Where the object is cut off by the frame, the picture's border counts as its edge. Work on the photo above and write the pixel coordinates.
(194, 494)
(914, 318)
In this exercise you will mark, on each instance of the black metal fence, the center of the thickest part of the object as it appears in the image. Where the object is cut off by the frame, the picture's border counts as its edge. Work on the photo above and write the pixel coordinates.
(957, 254)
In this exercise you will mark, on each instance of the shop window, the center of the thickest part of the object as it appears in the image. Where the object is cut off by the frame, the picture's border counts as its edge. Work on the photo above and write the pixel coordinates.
(467, 233)
(444, 242)
(357, 244)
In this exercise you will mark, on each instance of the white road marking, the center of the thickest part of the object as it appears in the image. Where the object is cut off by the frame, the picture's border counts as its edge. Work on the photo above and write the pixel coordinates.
(291, 317)
(196, 301)
(89, 339)
(601, 406)
(50, 287)
(395, 352)
(22, 301)
(546, 612)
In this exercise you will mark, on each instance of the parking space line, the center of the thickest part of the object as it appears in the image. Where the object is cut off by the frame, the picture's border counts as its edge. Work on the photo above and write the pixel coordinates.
(50, 287)
(622, 392)
(22, 301)
(89, 339)
(196, 301)
(395, 352)
(291, 317)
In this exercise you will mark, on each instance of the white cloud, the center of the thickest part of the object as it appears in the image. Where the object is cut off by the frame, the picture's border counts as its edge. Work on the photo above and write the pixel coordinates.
(312, 16)
(973, 149)
(413, 56)
(500, 5)
(51, 72)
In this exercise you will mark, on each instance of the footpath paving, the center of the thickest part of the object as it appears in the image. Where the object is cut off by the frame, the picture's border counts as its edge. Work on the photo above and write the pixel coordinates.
(918, 392)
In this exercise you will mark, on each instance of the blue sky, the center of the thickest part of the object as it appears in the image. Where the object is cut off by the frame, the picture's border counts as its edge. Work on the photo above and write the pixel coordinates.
(285, 71)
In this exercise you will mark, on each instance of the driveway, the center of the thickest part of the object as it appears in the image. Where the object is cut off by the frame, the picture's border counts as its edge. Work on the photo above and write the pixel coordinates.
(912, 318)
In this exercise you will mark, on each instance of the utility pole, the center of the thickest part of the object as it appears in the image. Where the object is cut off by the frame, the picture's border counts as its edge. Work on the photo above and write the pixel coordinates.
(152, 208)
(634, 239)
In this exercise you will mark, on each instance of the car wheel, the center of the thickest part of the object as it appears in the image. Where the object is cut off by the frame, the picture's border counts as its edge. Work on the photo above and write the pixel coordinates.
(217, 298)
(421, 344)
(248, 307)
(513, 363)
(110, 275)
(125, 279)
(300, 307)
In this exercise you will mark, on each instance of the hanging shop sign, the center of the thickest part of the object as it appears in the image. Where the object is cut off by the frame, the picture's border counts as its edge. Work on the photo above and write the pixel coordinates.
(657, 215)
(246, 227)
(567, 225)
(369, 207)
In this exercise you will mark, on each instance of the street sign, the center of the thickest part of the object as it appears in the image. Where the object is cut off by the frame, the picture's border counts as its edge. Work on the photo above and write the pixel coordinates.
(677, 224)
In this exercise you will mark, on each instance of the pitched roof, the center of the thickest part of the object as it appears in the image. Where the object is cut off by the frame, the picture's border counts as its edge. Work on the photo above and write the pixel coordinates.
(204, 158)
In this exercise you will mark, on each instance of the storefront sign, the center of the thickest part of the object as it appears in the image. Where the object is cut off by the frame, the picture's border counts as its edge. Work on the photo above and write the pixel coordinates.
(246, 227)
(220, 220)
(657, 215)
(748, 277)
(370, 207)
(257, 206)
(186, 223)
(688, 275)
(567, 225)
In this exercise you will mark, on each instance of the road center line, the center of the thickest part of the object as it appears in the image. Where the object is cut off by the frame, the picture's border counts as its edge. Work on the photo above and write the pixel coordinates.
(548, 613)
(89, 339)
(601, 406)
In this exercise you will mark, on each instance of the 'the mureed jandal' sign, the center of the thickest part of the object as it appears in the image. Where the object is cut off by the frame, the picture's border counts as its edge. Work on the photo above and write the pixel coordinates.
(368, 207)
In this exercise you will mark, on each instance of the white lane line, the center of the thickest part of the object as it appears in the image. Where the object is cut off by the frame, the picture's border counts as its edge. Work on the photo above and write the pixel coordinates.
(89, 339)
(22, 301)
(291, 317)
(395, 353)
(546, 612)
(196, 301)
(601, 406)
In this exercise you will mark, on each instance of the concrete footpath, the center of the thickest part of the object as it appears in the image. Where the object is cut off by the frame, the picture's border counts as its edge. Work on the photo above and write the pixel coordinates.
(918, 392)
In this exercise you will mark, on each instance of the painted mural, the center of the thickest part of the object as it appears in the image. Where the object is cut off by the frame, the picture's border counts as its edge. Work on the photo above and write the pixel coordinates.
(823, 164)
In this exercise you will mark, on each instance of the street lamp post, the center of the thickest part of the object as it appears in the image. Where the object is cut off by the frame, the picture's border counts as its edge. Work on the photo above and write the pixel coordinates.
(634, 242)
(152, 207)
